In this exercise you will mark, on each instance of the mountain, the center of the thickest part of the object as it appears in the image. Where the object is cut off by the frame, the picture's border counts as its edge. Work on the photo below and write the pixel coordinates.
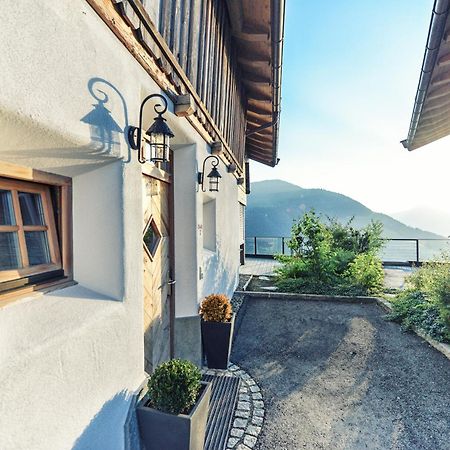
(426, 218)
(274, 204)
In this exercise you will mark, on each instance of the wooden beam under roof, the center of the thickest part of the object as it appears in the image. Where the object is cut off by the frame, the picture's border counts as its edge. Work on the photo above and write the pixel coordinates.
(258, 41)
(258, 139)
(430, 114)
(424, 131)
(437, 92)
(444, 60)
(255, 152)
(261, 109)
(433, 92)
(442, 78)
(266, 131)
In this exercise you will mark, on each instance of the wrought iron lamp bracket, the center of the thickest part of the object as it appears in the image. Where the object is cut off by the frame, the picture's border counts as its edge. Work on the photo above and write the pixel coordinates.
(135, 133)
(201, 175)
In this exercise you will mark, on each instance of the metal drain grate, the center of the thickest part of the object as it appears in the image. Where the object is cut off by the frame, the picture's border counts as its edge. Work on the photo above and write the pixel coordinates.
(224, 394)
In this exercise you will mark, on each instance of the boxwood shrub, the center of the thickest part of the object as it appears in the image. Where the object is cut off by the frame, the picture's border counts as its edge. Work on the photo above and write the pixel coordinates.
(174, 386)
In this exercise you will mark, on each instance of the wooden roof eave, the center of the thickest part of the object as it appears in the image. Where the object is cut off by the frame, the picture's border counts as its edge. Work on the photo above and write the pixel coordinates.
(258, 32)
(431, 96)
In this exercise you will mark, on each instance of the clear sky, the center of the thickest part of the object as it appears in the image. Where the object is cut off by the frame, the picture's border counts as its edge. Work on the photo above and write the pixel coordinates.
(350, 75)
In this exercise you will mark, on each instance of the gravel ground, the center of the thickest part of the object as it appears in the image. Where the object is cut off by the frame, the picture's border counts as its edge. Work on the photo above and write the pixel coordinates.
(338, 376)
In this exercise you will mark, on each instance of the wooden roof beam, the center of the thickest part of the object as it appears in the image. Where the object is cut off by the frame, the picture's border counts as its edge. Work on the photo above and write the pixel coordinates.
(253, 124)
(260, 110)
(439, 92)
(239, 27)
(444, 60)
(251, 35)
(436, 112)
(254, 59)
(260, 99)
(255, 79)
(435, 103)
(256, 151)
(260, 114)
(431, 123)
(441, 79)
(432, 132)
(259, 139)
(263, 148)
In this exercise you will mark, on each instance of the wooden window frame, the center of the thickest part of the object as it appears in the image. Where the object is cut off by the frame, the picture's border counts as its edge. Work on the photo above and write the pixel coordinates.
(17, 179)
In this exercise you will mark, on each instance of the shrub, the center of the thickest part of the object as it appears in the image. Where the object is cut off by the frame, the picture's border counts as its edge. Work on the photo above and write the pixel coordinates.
(174, 386)
(366, 272)
(293, 268)
(367, 239)
(425, 303)
(326, 258)
(342, 258)
(216, 308)
(412, 309)
(311, 286)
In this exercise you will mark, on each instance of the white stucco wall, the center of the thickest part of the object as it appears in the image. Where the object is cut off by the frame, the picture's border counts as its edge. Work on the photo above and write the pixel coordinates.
(69, 360)
(198, 270)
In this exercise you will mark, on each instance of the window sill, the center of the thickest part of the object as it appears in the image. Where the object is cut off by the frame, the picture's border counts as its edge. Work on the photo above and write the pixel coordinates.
(34, 291)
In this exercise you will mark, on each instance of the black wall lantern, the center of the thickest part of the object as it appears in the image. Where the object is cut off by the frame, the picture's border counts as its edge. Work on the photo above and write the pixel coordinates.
(213, 176)
(153, 145)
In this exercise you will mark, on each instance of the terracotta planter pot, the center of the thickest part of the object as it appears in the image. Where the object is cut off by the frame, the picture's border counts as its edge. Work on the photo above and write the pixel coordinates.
(161, 431)
(217, 338)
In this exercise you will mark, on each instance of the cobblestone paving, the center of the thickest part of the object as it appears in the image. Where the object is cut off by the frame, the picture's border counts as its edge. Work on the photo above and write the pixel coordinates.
(249, 414)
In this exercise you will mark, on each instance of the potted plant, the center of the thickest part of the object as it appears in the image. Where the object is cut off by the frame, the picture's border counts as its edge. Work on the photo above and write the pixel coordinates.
(173, 413)
(217, 326)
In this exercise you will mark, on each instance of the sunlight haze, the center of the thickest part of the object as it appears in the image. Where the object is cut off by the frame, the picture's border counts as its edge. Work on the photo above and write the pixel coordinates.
(350, 76)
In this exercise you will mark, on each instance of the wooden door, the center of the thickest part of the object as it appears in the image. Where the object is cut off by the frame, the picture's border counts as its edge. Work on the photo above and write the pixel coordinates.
(157, 282)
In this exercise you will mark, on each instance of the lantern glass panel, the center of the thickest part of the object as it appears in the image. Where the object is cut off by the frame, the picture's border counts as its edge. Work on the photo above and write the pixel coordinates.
(147, 151)
(160, 147)
(214, 184)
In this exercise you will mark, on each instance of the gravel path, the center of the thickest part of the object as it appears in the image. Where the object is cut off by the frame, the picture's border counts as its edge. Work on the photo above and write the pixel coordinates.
(338, 376)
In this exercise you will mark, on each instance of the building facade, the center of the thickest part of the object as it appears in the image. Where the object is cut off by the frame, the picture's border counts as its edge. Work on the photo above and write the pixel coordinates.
(103, 260)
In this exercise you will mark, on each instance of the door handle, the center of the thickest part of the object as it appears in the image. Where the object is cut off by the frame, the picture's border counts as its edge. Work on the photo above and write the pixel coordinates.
(171, 282)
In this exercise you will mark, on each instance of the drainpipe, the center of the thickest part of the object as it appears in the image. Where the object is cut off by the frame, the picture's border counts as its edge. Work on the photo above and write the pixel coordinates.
(278, 10)
(435, 34)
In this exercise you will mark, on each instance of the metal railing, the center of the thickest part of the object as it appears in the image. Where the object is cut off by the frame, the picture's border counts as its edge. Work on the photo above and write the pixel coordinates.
(395, 251)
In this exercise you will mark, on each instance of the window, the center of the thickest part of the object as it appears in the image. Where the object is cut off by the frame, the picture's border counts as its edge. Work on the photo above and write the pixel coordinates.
(242, 222)
(28, 241)
(209, 225)
(34, 226)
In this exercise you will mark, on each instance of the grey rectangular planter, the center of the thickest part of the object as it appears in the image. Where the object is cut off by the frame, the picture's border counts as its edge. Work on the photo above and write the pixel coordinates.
(163, 431)
(217, 338)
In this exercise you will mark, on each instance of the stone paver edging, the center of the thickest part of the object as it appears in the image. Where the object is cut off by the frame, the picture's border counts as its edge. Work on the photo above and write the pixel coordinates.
(314, 297)
(248, 418)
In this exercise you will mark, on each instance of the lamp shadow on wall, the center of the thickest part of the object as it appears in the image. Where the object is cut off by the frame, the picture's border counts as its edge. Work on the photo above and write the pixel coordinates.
(104, 129)
(28, 139)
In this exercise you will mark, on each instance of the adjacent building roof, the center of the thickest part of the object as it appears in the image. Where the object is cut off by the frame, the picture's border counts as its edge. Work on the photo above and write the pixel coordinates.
(431, 115)
(258, 29)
